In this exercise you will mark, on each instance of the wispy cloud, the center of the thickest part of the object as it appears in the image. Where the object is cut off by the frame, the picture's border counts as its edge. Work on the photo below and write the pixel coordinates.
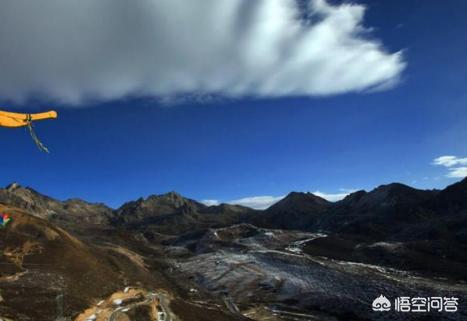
(257, 202)
(458, 172)
(72, 51)
(210, 202)
(333, 197)
(449, 161)
(265, 201)
(454, 165)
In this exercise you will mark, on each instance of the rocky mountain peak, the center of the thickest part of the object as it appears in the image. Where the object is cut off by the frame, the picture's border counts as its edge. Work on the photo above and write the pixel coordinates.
(147, 209)
(170, 199)
(293, 211)
(300, 199)
(13, 186)
(73, 210)
(172, 194)
(173, 197)
(397, 193)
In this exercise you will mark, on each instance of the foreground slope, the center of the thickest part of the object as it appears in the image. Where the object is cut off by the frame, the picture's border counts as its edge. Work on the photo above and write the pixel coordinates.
(46, 274)
(41, 262)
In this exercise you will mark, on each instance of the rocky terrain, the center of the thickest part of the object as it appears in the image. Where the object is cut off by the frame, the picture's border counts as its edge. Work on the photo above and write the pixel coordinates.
(251, 267)
(304, 258)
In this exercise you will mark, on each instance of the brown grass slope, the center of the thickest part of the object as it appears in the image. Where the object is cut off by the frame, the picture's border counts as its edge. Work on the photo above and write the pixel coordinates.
(43, 265)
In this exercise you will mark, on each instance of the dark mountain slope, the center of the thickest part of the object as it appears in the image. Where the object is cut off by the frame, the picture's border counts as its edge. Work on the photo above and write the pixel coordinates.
(389, 212)
(387, 196)
(453, 199)
(380, 213)
(295, 211)
(451, 206)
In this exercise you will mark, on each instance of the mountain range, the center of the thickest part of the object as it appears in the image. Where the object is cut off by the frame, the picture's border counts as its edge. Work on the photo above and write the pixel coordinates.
(199, 253)
(389, 212)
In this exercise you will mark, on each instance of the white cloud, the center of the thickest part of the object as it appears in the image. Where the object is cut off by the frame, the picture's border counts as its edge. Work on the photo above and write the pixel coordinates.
(457, 172)
(210, 202)
(333, 197)
(449, 161)
(76, 50)
(454, 165)
(257, 202)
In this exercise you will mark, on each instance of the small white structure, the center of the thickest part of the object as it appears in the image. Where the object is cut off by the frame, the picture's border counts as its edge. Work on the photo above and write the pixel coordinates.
(117, 301)
(100, 303)
(126, 289)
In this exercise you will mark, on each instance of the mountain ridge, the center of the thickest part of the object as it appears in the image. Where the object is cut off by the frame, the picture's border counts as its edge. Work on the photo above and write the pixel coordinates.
(15, 186)
(374, 211)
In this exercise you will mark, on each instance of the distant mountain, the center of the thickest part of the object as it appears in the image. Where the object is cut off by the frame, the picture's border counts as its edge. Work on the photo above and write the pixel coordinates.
(380, 213)
(173, 213)
(169, 213)
(28, 199)
(146, 211)
(389, 212)
(295, 211)
(387, 196)
(301, 203)
(73, 211)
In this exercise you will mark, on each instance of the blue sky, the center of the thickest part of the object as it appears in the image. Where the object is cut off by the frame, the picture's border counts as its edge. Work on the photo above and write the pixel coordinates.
(228, 145)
